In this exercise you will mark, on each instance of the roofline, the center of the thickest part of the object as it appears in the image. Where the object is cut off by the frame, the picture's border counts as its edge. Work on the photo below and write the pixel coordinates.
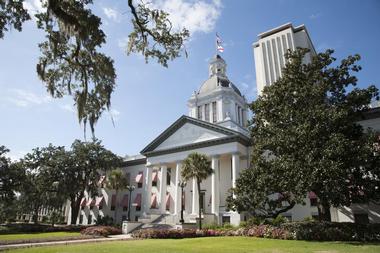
(135, 162)
(280, 28)
(275, 30)
(208, 143)
(371, 113)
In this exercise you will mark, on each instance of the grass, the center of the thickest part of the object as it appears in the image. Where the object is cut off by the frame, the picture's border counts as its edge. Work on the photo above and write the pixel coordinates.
(209, 245)
(18, 237)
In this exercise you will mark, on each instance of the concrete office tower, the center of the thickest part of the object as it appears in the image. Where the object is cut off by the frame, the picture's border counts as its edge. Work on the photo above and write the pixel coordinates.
(269, 51)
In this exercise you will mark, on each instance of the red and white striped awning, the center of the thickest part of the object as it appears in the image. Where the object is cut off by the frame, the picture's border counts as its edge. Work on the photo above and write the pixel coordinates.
(167, 201)
(83, 202)
(154, 176)
(99, 201)
(139, 177)
(91, 202)
(124, 202)
(153, 201)
(137, 200)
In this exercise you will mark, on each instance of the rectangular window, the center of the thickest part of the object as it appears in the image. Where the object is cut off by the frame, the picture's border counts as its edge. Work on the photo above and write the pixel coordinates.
(280, 54)
(200, 114)
(138, 208)
(139, 185)
(168, 176)
(238, 112)
(80, 219)
(89, 219)
(267, 81)
(112, 208)
(275, 60)
(290, 41)
(214, 112)
(124, 218)
(125, 208)
(271, 71)
(207, 112)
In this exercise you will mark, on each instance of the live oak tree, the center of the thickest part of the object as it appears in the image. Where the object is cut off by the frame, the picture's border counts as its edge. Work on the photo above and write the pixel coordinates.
(71, 62)
(197, 166)
(10, 181)
(38, 187)
(306, 138)
(83, 166)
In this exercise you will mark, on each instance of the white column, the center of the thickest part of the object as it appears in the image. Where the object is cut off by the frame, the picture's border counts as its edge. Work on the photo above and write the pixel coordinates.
(177, 197)
(195, 205)
(235, 168)
(163, 188)
(215, 186)
(147, 189)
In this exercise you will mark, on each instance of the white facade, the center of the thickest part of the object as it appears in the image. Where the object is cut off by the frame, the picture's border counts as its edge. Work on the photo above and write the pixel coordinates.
(269, 52)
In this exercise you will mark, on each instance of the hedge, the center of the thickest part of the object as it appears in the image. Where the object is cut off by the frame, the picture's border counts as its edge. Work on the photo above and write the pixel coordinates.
(317, 231)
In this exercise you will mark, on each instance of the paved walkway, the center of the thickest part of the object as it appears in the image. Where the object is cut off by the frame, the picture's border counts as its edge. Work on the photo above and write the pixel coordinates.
(27, 245)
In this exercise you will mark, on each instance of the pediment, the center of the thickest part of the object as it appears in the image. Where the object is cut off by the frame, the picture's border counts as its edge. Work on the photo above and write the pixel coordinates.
(188, 131)
(189, 134)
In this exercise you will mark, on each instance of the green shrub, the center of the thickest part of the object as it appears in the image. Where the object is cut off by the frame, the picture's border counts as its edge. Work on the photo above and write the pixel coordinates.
(104, 221)
(333, 231)
(279, 220)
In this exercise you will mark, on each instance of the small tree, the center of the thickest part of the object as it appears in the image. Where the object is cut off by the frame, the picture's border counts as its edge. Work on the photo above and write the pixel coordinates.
(117, 181)
(197, 166)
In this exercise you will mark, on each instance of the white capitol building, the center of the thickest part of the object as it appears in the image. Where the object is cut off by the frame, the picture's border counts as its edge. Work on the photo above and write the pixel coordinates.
(216, 127)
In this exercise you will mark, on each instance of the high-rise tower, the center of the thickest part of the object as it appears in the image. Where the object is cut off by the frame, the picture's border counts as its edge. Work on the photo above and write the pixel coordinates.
(271, 47)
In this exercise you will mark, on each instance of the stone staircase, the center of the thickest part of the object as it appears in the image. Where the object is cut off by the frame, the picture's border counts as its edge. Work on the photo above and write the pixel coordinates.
(157, 221)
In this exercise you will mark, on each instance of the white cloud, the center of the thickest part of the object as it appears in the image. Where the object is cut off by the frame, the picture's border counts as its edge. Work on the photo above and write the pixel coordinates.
(23, 98)
(112, 14)
(68, 108)
(315, 15)
(123, 43)
(196, 16)
(33, 6)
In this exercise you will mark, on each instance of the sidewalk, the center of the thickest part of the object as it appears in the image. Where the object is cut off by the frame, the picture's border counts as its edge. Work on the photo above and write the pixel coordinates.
(28, 245)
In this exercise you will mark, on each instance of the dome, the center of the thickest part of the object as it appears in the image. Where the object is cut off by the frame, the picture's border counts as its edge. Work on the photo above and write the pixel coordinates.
(214, 82)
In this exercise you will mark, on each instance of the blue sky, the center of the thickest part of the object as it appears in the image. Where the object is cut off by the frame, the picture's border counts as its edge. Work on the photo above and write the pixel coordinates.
(148, 97)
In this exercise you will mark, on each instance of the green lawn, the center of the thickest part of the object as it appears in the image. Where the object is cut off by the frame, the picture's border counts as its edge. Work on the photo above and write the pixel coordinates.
(32, 236)
(211, 244)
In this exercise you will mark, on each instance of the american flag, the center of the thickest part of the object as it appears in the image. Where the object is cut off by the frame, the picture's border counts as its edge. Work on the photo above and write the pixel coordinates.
(219, 46)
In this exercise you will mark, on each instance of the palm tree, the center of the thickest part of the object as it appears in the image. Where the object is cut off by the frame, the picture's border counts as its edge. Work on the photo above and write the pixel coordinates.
(117, 181)
(197, 166)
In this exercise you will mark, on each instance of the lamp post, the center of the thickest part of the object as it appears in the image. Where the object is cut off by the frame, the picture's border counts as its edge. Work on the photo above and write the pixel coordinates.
(182, 184)
(130, 188)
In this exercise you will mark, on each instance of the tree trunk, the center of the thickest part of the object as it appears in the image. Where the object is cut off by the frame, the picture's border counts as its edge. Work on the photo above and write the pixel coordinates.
(199, 204)
(324, 211)
(35, 215)
(75, 208)
(115, 213)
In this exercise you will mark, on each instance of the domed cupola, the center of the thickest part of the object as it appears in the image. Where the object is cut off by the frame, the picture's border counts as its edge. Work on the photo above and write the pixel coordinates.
(217, 77)
(218, 100)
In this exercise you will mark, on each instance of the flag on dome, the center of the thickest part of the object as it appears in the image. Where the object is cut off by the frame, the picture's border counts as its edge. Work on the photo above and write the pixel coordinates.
(219, 46)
